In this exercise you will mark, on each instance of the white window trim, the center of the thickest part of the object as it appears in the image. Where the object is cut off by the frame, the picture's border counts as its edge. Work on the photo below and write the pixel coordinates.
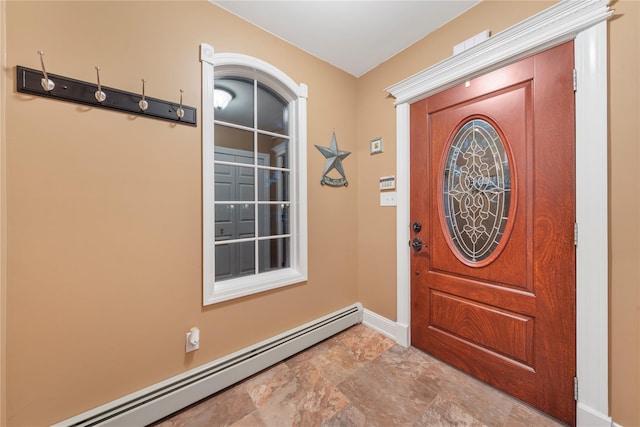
(253, 68)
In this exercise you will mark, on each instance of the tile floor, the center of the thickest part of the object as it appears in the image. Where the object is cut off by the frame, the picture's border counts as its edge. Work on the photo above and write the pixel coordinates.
(359, 378)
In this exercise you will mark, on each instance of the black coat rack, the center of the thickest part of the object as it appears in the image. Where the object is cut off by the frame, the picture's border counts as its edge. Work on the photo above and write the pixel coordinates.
(67, 89)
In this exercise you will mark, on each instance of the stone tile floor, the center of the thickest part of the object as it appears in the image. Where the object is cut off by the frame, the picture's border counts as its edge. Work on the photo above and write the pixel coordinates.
(359, 378)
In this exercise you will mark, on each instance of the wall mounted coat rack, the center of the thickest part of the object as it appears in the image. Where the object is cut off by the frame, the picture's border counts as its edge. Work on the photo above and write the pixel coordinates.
(66, 89)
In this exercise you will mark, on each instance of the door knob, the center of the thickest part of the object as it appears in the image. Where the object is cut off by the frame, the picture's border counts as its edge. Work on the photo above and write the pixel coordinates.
(416, 227)
(417, 244)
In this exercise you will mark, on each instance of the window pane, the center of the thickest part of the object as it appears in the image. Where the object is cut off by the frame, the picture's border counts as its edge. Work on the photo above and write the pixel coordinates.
(273, 185)
(273, 254)
(231, 143)
(239, 111)
(235, 260)
(234, 183)
(276, 150)
(273, 112)
(235, 221)
(476, 190)
(274, 219)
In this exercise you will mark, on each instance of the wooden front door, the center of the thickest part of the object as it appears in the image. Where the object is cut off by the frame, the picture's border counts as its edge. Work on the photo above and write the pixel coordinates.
(493, 213)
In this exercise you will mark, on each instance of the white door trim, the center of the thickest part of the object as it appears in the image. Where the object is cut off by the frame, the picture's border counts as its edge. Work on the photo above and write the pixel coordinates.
(585, 22)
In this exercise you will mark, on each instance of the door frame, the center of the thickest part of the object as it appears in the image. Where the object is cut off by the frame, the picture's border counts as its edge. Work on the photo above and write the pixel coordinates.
(585, 23)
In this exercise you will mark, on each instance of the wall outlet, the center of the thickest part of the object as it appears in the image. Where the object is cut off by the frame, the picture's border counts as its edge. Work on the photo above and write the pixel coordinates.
(389, 198)
(193, 340)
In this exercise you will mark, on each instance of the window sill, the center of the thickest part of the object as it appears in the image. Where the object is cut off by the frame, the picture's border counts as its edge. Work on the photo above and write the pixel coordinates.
(249, 285)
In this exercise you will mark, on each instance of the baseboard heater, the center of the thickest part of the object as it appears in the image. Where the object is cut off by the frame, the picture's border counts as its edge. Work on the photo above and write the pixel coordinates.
(155, 402)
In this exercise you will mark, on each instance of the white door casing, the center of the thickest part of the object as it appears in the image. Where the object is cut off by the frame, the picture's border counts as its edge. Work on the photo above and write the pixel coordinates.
(585, 22)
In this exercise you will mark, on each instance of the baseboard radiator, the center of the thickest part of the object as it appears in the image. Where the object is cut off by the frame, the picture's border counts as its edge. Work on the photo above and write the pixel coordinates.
(162, 399)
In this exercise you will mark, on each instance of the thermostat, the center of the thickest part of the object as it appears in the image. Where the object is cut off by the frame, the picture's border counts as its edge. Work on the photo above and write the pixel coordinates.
(387, 182)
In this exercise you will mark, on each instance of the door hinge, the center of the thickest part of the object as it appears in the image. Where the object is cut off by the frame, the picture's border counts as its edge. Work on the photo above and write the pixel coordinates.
(575, 388)
(575, 80)
(575, 234)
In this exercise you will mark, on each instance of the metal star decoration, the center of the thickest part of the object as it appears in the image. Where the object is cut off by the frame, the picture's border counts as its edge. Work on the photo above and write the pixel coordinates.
(334, 161)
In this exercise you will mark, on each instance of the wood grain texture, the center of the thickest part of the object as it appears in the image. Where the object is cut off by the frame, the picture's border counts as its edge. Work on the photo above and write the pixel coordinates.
(509, 322)
(499, 330)
(554, 219)
(420, 189)
(508, 108)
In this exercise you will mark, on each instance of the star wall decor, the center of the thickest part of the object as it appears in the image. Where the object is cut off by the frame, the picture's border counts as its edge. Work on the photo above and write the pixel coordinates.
(334, 161)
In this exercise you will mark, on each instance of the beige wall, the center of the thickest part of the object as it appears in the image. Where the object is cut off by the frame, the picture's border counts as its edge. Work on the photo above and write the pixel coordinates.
(3, 270)
(376, 117)
(103, 240)
(624, 211)
(376, 233)
(104, 209)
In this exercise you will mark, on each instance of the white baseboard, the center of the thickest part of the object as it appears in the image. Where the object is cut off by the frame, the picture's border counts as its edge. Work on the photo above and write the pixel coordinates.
(159, 400)
(587, 417)
(404, 335)
(395, 331)
(164, 398)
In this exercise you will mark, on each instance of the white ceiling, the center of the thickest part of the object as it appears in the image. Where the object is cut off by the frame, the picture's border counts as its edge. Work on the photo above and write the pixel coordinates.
(355, 36)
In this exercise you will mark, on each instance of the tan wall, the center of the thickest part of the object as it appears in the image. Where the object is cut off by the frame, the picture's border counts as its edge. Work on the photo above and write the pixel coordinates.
(3, 269)
(376, 236)
(104, 209)
(376, 117)
(624, 211)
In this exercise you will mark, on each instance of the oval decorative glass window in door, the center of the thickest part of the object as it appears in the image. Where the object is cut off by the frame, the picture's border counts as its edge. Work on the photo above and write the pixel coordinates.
(476, 191)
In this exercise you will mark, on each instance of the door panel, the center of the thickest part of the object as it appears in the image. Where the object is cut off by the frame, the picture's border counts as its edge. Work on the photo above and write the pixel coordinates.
(484, 325)
(503, 144)
(511, 107)
(234, 221)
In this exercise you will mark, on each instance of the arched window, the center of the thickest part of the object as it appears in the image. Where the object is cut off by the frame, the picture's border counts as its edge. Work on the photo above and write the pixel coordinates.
(254, 177)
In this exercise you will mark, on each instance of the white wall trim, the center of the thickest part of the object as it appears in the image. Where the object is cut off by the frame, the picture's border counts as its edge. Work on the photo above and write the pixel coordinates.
(230, 64)
(403, 187)
(548, 28)
(166, 397)
(586, 416)
(592, 252)
(236, 64)
(586, 22)
(386, 327)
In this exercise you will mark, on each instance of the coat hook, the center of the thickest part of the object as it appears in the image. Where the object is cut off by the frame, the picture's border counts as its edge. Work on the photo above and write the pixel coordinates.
(100, 95)
(46, 84)
(142, 103)
(180, 111)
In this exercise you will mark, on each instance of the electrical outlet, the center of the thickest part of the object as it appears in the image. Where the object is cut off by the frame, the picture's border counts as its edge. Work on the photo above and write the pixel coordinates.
(193, 340)
(389, 198)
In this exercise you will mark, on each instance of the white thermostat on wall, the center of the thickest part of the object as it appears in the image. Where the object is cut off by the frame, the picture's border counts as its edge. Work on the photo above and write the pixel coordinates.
(387, 182)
